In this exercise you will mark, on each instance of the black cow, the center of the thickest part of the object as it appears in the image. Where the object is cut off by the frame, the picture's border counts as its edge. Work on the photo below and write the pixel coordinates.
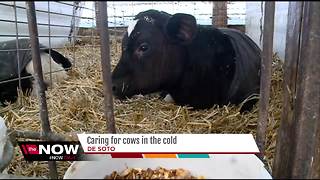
(197, 65)
(9, 68)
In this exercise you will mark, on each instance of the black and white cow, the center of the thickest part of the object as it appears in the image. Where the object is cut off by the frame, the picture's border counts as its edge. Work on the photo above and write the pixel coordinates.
(198, 66)
(9, 68)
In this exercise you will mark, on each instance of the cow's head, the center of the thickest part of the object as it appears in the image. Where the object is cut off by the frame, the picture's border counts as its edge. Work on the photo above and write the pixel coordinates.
(153, 51)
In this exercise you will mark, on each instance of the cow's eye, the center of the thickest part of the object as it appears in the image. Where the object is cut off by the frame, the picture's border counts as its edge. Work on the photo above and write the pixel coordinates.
(144, 47)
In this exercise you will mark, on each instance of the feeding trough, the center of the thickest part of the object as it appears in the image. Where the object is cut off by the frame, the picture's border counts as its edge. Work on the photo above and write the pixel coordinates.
(217, 166)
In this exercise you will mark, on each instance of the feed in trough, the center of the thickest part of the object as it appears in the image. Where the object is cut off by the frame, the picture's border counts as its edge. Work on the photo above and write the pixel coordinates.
(159, 173)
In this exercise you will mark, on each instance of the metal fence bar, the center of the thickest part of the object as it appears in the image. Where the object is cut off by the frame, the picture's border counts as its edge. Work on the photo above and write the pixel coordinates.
(17, 46)
(82, 7)
(45, 124)
(27, 36)
(285, 142)
(30, 76)
(304, 109)
(102, 25)
(39, 24)
(23, 49)
(72, 31)
(44, 24)
(43, 11)
(266, 66)
(49, 29)
(92, 31)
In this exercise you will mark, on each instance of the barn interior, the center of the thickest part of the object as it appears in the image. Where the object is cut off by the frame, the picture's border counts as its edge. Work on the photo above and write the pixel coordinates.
(76, 104)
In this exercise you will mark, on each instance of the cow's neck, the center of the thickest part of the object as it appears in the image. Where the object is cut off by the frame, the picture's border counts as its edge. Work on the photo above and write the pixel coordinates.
(206, 76)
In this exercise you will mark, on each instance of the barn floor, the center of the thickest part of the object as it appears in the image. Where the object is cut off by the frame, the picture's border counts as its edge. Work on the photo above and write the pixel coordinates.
(77, 106)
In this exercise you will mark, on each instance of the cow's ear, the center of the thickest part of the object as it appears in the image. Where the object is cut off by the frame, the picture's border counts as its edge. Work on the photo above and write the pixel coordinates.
(181, 28)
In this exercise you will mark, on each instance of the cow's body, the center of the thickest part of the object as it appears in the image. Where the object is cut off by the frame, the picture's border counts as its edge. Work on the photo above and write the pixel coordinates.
(210, 77)
(9, 68)
(198, 66)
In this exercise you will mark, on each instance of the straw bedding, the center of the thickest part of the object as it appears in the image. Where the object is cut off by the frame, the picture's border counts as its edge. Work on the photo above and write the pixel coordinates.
(77, 106)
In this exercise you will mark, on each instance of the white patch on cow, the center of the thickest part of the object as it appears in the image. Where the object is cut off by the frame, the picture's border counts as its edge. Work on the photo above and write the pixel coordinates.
(148, 19)
(57, 71)
(131, 26)
(168, 99)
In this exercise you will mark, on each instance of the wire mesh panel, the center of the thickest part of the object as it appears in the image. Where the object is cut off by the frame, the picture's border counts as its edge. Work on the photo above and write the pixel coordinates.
(58, 32)
(57, 15)
(58, 24)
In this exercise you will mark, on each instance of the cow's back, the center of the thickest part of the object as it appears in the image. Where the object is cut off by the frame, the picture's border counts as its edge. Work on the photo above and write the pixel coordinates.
(9, 60)
(246, 81)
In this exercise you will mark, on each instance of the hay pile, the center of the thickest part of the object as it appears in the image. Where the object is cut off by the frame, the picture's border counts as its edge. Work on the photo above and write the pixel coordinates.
(77, 106)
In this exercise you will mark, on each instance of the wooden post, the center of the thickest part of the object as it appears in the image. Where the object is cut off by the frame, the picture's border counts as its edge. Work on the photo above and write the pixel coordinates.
(266, 71)
(219, 14)
(298, 144)
(284, 141)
